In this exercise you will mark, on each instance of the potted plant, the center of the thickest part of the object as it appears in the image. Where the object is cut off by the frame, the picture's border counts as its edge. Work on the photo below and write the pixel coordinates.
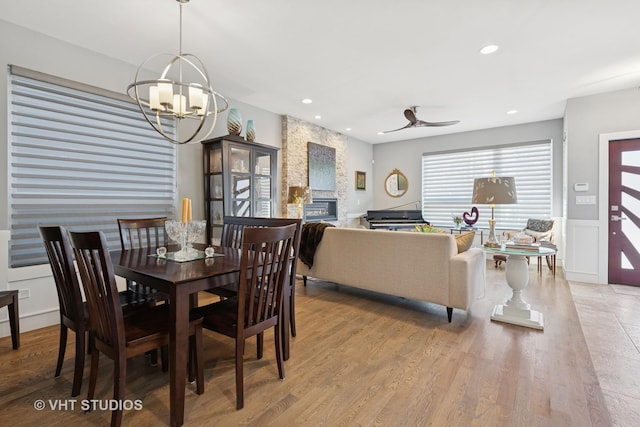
(457, 220)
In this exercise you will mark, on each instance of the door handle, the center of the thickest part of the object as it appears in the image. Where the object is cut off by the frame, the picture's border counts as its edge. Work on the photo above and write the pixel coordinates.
(617, 218)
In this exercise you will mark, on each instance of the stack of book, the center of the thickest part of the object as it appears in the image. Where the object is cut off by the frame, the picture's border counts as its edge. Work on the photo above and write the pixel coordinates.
(532, 247)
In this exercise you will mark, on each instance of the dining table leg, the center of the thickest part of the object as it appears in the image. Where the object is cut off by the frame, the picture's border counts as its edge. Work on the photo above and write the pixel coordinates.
(178, 352)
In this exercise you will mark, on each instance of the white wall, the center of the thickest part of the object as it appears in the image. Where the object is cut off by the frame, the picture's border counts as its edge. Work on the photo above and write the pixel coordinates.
(588, 120)
(359, 158)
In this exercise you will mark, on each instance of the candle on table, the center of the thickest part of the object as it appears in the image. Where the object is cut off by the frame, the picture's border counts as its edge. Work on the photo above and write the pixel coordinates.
(184, 209)
(188, 209)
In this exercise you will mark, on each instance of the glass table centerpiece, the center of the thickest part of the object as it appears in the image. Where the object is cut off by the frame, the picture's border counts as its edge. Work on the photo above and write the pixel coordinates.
(185, 234)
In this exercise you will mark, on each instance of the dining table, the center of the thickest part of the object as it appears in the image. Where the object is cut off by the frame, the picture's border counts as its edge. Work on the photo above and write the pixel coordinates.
(181, 281)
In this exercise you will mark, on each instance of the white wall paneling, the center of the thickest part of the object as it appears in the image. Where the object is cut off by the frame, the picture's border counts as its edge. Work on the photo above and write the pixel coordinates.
(581, 257)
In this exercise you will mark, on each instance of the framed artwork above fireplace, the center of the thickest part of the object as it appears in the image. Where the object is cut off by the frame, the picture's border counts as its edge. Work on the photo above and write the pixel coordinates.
(322, 167)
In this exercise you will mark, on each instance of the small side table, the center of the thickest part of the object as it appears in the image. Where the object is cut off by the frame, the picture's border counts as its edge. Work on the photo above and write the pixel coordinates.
(516, 310)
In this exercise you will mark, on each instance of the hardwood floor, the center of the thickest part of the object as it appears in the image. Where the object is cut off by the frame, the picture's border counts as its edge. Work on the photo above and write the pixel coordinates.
(365, 359)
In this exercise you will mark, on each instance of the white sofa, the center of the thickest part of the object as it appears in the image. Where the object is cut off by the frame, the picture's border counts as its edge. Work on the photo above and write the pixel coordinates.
(420, 266)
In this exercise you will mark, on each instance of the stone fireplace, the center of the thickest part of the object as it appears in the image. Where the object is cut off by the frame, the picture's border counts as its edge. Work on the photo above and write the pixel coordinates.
(296, 134)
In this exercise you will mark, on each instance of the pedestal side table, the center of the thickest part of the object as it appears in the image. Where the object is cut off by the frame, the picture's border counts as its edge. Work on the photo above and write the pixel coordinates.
(516, 310)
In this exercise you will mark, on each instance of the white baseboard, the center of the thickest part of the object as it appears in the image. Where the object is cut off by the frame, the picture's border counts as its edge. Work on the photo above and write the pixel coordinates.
(581, 277)
(32, 321)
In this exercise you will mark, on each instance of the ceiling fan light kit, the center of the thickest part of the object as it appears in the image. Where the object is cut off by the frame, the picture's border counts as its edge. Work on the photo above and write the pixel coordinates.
(414, 122)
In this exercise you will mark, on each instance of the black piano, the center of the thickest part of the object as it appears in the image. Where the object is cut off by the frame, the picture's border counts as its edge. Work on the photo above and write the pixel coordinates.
(394, 219)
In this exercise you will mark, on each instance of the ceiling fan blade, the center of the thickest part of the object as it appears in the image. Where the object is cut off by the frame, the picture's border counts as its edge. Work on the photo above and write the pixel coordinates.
(410, 115)
(408, 125)
(422, 123)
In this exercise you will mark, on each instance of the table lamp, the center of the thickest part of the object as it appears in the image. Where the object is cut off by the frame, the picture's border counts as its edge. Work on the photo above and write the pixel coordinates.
(299, 195)
(493, 191)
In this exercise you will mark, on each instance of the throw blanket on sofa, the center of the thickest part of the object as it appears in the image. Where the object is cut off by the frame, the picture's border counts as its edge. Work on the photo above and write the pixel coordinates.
(309, 239)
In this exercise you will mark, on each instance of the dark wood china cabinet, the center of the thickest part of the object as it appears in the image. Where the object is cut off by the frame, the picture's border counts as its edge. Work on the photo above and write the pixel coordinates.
(239, 180)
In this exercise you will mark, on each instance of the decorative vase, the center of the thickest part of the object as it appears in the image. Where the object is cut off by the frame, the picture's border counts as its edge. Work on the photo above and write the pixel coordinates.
(234, 122)
(251, 131)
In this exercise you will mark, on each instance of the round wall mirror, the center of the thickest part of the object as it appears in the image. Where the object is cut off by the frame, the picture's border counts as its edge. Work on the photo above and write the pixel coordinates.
(396, 184)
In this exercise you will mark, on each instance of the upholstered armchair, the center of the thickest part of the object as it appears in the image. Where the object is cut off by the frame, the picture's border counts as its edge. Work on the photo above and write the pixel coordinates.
(539, 229)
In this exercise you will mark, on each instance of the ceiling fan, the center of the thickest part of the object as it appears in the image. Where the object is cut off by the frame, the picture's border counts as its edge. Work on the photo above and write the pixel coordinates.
(414, 122)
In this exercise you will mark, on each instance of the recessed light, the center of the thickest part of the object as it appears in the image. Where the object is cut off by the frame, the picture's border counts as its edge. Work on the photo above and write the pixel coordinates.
(380, 133)
(347, 129)
(512, 112)
(491, 48)
(318, 117)
(307, 101)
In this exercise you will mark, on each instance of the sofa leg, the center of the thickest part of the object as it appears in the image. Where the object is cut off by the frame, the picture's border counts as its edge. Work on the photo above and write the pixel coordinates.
(304, 280)
(449, 313)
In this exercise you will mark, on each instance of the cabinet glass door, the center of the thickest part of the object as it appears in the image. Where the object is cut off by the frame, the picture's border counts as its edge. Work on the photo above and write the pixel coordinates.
(241, 208)
(240, 162)
(262, 206)
(217, 212)
(262, 209)
(215, 182)
(215, 161)
(263, 164)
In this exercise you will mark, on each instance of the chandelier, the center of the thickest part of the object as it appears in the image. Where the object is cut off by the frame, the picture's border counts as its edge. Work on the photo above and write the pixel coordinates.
(182, 92)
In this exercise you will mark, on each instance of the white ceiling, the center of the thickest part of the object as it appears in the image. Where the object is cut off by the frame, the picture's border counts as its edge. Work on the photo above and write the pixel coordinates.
(362, 62)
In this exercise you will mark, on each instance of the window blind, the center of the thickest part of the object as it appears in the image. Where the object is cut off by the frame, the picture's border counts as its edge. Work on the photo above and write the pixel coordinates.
(80, 157)
(447, 183)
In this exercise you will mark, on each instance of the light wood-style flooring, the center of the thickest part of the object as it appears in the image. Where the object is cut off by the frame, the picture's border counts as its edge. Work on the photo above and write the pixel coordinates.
(365, 359)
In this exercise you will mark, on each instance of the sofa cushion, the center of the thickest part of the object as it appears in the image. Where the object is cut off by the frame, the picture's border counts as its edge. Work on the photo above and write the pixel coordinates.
(465, 240)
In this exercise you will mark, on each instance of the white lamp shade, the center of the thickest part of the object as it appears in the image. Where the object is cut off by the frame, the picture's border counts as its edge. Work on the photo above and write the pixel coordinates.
(166, 93)
(195, 97)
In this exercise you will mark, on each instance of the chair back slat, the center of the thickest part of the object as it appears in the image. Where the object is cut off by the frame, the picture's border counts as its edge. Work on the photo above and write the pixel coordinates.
(232, 229)
(142, 233)
(264, 269)
(101, 292)
(60, 255)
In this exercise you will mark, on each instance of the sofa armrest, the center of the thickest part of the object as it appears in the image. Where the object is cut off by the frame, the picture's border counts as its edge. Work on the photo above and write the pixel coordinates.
(467, 275)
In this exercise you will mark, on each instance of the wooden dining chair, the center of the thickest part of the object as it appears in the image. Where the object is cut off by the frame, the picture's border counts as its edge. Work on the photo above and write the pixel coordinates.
(9, 299)
(117, 336)
(232, 232)
(264, 269)
(73, 310)
(143, 233)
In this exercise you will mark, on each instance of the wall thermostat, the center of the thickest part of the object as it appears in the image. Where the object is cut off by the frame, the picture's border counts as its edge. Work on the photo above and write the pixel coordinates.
(581, 186)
